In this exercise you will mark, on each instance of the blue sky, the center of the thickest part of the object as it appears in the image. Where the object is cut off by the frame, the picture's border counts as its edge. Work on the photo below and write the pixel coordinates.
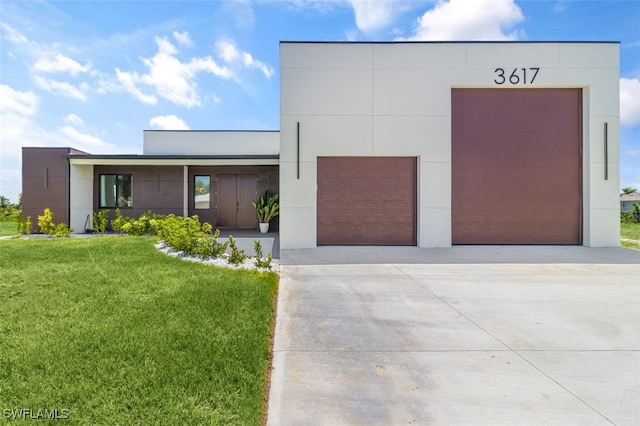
(93, 74)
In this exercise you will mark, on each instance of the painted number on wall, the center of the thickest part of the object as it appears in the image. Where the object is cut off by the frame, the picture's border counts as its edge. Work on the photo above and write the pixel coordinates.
(517, 76)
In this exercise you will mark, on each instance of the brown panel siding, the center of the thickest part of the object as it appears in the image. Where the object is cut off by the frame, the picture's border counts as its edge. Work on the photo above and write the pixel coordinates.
(366, 200)
(55, 196)
(267, 179)
(516, 166)
(155, 188)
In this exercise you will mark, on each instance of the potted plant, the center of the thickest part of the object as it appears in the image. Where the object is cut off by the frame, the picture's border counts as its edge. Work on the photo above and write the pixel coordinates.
(267, 208)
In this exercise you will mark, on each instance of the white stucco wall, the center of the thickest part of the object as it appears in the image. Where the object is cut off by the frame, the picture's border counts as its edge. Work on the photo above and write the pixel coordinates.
(80, 196)
(196, 142)
(394, 99)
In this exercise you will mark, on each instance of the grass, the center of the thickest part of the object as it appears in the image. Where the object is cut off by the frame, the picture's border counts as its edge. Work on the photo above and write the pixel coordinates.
(117, 333)
(630, 231)
(8, 228)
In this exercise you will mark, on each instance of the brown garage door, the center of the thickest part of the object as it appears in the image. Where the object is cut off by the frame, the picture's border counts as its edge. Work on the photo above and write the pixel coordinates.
(516, 166)
(367, 200)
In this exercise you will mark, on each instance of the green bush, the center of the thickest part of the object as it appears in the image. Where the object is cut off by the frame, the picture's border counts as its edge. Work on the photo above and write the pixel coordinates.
(48, 226)
(62, 230)
(632, 216)
(237, 256)
(147, 224)
(45, 222)
(10, 212)
(188, 235)
(100, 221)
(260, 261)
(118, 223)
(24, 226)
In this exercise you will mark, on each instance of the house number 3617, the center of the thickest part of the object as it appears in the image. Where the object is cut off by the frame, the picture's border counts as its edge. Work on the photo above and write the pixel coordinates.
(517, 76)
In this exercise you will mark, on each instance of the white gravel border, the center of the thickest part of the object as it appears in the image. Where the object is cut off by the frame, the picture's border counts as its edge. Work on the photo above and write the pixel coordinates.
(222, 262)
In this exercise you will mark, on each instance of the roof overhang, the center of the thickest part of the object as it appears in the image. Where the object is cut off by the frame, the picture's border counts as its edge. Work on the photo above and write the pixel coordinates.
(176, 160)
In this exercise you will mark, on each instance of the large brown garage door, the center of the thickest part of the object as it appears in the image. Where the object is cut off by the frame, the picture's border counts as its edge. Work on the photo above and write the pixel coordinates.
(516, 166)
(367, 200)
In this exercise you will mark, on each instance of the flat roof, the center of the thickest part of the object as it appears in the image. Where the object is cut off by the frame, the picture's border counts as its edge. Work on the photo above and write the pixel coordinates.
(212, 131)
(453, 42)
(174, 160)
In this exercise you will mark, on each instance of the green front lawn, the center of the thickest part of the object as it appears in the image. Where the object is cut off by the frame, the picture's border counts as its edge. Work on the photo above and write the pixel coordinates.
(8, 228)
(117, 333)
(630, 232)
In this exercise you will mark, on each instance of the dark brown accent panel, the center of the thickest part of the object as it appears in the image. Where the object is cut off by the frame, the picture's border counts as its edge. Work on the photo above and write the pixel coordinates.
(366, 201)
(516, 166)
(265, 178)
(155, 188)
(45, 183)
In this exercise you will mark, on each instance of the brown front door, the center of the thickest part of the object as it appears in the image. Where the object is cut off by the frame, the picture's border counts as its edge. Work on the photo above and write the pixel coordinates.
(235, 193)
(366, 200)
(516, 166)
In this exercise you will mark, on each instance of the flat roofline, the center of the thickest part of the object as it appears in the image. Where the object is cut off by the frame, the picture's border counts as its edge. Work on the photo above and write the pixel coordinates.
(214, 131)
(174, 157)
(454, 42)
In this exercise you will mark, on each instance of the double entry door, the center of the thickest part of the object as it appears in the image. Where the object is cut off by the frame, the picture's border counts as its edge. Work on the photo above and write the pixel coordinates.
(235, 193)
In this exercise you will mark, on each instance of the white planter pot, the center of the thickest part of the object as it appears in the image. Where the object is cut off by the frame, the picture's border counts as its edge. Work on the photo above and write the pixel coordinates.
(264, 227)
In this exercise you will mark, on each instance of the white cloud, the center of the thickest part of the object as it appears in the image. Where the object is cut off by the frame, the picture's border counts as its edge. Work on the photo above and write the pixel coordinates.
(60, 63)
(227, 51)
(169, 77)
(73, 119)
(630, 101)
(19, 124)
(469, 20)
(16, 102)
(232, 55)
(128, 81)
(168, 122)
(62, 88)
(372, 15)
(83, 141)
(183, 38)
(13, 35)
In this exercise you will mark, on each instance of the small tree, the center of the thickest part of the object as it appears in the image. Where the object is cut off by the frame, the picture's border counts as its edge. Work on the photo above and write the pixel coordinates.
(628, 190)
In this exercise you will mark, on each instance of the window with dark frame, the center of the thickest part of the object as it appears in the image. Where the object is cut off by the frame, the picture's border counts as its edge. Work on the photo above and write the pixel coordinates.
(116, 191)
(201, 192)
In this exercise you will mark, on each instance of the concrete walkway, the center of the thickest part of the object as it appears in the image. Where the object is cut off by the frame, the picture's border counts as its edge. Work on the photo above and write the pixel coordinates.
(467, 335)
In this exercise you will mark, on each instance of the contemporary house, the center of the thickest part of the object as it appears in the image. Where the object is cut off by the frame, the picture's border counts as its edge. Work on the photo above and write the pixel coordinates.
(426, 143)
(215, 175)
(627, 201)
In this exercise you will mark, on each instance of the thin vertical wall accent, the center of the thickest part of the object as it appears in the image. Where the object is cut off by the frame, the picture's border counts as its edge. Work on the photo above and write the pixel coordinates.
(298, 150)
(46, 178)
(606, 151)
(185, 192)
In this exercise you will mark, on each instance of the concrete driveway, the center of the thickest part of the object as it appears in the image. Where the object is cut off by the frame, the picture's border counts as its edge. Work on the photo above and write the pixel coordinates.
(467, 335)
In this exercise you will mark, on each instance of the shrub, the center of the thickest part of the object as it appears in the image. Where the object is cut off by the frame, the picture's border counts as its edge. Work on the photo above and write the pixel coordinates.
(9, 212)
(188, 235)
(632, 216)
(100, 221)
(62, 230)
(45, 222)
(260, 261)
(24, 226)
(48, 226)
(626, 217)
(237, 256)
(118, 223)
